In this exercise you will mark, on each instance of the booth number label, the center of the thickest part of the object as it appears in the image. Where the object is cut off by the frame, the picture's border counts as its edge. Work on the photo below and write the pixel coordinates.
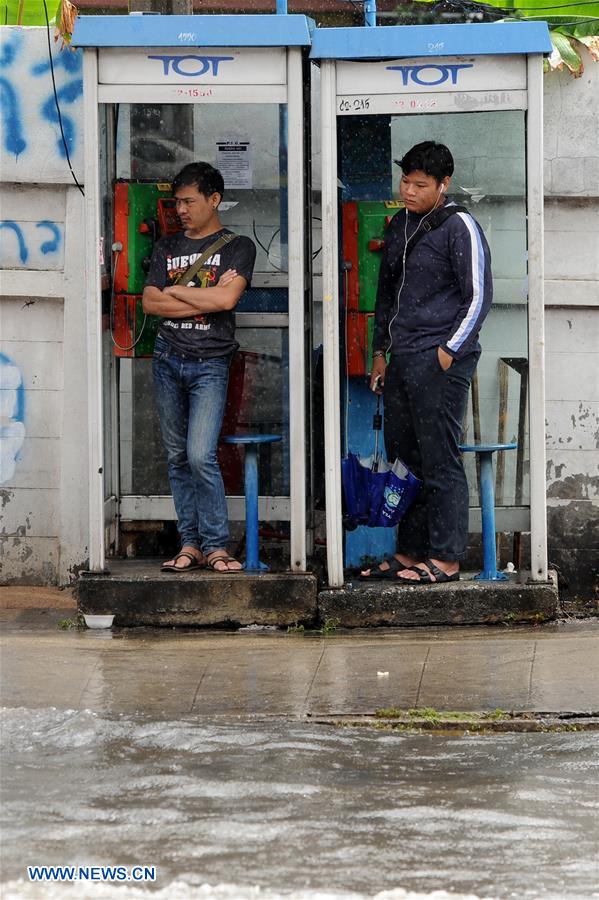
(354, 104)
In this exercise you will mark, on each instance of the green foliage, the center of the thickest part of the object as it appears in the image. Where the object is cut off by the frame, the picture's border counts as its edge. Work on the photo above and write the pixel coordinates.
(389, 712)
(434, 716)
(577, 25)
(28, 12)
(328, 627)
(426, 713)
(497, 714)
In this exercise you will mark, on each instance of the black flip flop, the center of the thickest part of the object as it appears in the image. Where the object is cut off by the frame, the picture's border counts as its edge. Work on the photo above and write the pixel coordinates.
(378, 574)
(194, 564)
(441, 577)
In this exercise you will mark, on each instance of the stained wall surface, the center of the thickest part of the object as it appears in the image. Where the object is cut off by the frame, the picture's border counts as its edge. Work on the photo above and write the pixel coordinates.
(571, 138)
(43, 424)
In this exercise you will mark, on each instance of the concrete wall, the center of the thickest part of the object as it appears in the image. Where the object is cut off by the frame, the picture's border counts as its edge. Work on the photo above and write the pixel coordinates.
(572, 323)
(43, 426)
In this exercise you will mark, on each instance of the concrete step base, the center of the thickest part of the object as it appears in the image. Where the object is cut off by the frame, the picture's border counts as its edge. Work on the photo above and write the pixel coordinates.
(137, 593)
(465, 602)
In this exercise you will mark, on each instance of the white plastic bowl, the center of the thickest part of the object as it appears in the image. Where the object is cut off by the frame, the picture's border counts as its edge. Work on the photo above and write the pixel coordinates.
(98, 621)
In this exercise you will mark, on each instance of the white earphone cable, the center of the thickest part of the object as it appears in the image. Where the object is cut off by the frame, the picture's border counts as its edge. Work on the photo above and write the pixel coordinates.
(405, 253)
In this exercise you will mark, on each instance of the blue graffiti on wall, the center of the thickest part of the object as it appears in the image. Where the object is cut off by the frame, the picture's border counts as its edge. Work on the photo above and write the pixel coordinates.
(11, 92)
(12, 416)
(68, 93)
(51, 245)
(23, 251)
(14, 139)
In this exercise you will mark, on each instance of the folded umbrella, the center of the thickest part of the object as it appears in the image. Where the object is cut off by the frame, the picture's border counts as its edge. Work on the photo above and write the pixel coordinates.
(377, 493)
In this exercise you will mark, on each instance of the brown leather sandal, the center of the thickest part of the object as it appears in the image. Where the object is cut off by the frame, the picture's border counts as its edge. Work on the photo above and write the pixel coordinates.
(213, 558)
(173, 567)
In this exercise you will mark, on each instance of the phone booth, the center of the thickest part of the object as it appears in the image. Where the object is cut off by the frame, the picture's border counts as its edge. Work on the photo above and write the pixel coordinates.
(478, 89)
(160, 92)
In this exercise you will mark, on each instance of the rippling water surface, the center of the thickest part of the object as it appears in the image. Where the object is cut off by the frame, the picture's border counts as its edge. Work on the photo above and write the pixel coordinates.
(268, 809)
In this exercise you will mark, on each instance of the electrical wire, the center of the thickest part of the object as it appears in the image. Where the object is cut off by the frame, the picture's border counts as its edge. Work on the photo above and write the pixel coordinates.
(403, 277)
(557, 6)
(112, 304)
(64, 140)
(266, 249)
(316, 252)
(586, 20)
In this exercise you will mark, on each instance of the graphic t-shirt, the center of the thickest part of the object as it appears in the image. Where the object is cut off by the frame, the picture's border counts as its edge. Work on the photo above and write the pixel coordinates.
(204, 335)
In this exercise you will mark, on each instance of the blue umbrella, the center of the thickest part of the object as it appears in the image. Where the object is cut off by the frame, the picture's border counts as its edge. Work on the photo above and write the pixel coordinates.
(377, 493)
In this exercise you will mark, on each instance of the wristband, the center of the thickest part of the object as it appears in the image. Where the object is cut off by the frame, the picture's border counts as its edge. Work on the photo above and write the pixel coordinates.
(379, 354)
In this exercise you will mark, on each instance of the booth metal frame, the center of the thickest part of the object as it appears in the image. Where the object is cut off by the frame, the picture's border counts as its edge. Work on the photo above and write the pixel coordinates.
(442, 44)
(195, 34)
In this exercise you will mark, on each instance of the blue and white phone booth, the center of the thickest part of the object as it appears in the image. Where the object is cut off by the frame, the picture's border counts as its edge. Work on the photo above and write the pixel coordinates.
(162, 91)
(478, 89)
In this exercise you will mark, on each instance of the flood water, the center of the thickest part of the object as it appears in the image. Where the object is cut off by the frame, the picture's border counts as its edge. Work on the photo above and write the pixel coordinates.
(266, 808)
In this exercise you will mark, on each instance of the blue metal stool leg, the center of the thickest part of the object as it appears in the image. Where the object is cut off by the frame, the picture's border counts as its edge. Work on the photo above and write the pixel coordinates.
(252, 562)
(487, 499)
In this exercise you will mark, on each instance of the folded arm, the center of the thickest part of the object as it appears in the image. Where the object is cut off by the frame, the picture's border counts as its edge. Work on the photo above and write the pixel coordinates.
(158, 303)
(178, 302)
(221, 297)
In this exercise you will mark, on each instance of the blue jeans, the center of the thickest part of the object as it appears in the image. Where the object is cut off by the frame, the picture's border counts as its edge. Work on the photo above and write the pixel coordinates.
(190, 399)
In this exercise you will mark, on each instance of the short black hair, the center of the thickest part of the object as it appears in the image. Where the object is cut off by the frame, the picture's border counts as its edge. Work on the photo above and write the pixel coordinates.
(429, 157)
(206, 178)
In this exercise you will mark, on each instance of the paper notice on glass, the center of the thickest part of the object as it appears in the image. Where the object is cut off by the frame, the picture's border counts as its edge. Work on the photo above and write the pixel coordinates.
(234, 161)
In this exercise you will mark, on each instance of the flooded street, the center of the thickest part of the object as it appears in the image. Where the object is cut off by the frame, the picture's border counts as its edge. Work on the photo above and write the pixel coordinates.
(245, 808)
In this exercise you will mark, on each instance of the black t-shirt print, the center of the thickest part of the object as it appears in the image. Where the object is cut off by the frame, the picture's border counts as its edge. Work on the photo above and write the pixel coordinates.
(205, 335)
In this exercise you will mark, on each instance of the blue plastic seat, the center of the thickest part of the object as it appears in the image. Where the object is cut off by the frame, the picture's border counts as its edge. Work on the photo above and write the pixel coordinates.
(251, 442)
(487, 505)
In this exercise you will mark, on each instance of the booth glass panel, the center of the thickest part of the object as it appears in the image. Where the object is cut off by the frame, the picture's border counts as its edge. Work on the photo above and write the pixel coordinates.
(257, 403)
(490, 180)
(150, 144)
(245, 141)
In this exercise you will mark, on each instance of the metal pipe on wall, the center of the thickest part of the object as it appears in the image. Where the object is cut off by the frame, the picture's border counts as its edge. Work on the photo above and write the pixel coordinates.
(370, 13)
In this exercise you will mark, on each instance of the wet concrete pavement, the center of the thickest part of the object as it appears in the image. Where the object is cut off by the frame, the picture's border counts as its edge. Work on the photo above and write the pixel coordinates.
(550, 668)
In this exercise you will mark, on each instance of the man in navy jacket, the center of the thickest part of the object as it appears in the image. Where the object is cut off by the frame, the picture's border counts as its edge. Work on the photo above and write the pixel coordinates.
(431, 301)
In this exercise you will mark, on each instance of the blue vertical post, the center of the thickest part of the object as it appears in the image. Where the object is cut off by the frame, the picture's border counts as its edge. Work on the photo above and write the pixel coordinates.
(370, 13)
(487, 494)
(251, 508)
(487, 506)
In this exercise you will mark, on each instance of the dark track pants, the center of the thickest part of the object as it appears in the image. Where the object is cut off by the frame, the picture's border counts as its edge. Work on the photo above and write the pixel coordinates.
(424, 410)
